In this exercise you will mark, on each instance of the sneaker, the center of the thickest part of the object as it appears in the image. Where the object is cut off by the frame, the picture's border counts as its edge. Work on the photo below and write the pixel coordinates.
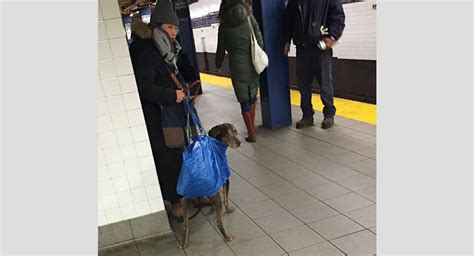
(328, 122)
(304, 123)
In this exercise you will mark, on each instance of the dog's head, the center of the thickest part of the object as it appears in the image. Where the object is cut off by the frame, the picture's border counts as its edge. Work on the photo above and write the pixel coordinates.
(226, 133)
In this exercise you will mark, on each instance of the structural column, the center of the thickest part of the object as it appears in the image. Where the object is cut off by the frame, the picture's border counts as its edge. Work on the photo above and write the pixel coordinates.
(274, 81)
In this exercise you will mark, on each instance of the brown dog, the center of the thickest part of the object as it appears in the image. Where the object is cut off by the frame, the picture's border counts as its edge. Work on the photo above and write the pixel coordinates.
(227, 134)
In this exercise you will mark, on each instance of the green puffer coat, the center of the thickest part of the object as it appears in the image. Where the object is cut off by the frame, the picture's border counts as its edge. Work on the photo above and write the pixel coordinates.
(234, 37)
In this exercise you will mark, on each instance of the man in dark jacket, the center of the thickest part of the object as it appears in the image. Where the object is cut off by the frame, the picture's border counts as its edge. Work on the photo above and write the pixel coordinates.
(314, 26)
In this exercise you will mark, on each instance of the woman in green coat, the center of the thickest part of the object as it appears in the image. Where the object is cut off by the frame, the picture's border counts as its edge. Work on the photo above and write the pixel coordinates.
(234, 37)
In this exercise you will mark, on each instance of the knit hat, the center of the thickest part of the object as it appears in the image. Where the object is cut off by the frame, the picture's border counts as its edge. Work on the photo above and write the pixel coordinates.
(164, 13)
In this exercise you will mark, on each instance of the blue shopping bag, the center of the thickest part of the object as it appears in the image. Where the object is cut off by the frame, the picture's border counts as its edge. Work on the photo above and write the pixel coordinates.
(205, 168)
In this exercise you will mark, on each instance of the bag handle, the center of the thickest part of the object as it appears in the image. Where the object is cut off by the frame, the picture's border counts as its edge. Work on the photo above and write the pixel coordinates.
(197, 123)
(252, 33)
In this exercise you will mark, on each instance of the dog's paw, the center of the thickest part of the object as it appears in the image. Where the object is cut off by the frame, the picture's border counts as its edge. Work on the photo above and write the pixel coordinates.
(229, 238)
(229, 209)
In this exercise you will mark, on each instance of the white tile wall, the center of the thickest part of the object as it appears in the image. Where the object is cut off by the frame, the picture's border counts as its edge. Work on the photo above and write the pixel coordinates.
(111, 86)
(132, 166)
(121, 184)
(120, 120)
(106, 188)
(105, 123)
(104, 50)
(112, 155)
(110, 9)
(102, 108)
(128, 84)
(139, 195)
(136, 181)
(128, 211)
(124, 136)
(100, 12)
(132, 101)
(115, 104)
(143, 148)
(113, 215)
(107, 69)
(147, 163)
(143, 208)
(119, 48)
(102, 31)
(109, 202)
(155, 204)
(125, 198)
(149, 178)
(116, 170)
(358, 40)
(128, 152)
(139, 133)
(100, 90)
(114, 28)
(123, 66)
(128, 183)
(104, 173)
(108, 140)
(135, 117)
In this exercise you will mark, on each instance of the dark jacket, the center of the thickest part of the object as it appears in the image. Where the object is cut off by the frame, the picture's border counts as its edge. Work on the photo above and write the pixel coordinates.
(234, 37)
(305, 17)
(155, 86)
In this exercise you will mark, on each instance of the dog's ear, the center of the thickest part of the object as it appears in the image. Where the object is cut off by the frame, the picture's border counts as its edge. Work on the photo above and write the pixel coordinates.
(216, 132)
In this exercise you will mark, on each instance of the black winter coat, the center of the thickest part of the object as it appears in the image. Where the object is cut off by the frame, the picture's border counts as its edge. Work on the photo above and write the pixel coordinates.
(305, 17)
(154, 83)
(155, 87)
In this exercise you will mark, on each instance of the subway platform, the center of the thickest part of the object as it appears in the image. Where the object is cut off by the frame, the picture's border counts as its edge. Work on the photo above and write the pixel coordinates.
(295, 192)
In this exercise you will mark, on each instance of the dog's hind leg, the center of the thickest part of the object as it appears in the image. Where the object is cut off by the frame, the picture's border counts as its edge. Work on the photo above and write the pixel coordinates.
(184, 204)
(216, 200)
(228, 208)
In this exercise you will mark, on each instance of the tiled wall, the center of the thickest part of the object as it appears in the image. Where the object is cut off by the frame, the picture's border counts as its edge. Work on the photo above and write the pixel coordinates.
(358, 41)
(359, 38)
(128, 183)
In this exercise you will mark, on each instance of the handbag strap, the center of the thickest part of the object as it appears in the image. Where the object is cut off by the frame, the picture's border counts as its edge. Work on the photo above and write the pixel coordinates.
(252, 33)
(186, 88)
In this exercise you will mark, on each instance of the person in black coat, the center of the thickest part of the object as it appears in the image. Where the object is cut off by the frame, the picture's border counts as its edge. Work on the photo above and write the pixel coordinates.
(156, 88)
(311, 23)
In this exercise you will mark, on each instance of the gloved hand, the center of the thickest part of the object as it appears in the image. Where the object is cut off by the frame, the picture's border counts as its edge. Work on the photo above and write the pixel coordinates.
(324, 31)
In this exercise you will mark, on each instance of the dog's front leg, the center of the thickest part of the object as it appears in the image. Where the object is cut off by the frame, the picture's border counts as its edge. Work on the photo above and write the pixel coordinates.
(228, 208)
(217, 202)
(184, 205)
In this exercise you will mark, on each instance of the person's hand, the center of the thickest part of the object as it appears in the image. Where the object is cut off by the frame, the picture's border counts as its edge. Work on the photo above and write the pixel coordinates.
(329, 42)
(180, 96)
(286, 49)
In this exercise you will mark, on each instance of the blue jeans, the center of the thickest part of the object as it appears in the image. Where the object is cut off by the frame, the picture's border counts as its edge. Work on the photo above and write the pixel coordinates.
(310, 63)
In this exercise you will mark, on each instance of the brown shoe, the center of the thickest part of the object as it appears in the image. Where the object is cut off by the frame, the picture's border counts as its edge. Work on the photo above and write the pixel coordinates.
(328, 122)
(252, 133)
(177, 210)
(304, 123)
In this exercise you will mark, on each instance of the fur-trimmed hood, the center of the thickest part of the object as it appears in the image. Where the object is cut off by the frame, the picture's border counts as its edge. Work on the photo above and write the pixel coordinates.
(141, 29)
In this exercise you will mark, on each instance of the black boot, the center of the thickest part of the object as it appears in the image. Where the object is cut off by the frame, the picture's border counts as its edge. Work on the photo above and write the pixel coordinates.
(328, 122)
(304, 123)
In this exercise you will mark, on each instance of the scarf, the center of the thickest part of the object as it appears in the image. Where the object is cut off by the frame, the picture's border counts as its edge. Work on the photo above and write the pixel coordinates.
(168, 47)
